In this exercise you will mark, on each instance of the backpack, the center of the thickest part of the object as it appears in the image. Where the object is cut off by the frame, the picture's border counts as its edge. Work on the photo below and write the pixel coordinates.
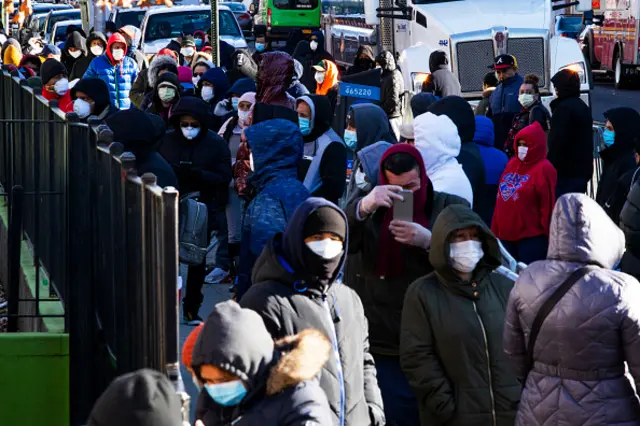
(192, 232)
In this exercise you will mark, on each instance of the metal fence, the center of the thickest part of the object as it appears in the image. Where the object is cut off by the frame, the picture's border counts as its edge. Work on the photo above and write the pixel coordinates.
(105, 238)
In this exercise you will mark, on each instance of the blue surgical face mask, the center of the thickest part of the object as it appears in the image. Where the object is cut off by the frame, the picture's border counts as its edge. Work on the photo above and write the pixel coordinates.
(351, 139)
(259, 47)
(227, 394)
(609, 137)
(198, 43)
(305, 126)
(234, 103)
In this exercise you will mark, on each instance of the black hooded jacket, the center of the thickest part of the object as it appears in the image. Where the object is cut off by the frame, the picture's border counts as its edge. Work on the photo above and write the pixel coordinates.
(421, 102)
(618, 160)
(76, 40)
(460, 112)
(82, 63)
(363, 64)
(444, 81)
(309, 58)
(336, 311)
(570, 139)
(98, 91)
(391, 85)
(152, 103)
(279, 376)
(141, 134)
(630, 225)
(202, 164)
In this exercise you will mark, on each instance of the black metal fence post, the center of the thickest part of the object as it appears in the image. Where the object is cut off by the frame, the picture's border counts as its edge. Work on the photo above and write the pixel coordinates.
(14, 246)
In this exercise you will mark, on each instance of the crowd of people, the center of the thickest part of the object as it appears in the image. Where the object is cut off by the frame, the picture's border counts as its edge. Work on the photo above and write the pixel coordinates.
(343, 313)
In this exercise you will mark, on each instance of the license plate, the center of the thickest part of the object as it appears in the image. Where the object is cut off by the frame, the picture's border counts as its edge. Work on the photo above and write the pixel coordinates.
(306, 31)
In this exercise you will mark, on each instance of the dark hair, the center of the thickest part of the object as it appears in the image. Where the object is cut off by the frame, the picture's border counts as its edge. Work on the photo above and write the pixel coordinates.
(534, 81)
(399, 163)
(428, 85)
(490, 79)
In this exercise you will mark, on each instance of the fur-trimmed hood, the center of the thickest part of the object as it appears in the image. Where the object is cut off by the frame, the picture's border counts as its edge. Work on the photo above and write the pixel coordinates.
(161, 62)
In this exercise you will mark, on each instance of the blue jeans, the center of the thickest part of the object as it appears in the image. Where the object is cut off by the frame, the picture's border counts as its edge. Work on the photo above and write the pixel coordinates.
(528, 250)
(400, 405)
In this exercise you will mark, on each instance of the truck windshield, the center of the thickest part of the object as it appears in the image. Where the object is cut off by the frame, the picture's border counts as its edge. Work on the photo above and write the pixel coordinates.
(172, 24)
(133, 17)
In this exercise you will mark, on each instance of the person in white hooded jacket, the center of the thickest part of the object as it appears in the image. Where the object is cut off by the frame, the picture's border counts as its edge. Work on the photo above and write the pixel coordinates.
(437, 139)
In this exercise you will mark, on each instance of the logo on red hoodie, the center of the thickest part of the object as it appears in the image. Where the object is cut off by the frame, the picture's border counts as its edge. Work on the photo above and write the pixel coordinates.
(511, 183)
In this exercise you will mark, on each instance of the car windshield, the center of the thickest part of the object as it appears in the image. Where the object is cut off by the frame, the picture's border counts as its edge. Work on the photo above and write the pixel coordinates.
(130, 17)
(61, 33)
(295, 4)
(570, 24)
(72, 14)
(172, 24)
(236, 7)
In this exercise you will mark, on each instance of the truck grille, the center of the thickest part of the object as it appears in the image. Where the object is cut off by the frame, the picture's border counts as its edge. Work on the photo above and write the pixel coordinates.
(473, 58)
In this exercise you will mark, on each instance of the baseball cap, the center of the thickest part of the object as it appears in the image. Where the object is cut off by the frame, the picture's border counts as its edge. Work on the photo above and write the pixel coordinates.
(320, 67)
(504, 61)
(50, 49)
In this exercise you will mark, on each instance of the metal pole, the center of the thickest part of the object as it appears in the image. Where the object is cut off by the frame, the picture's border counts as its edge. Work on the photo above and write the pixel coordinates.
(15, 242)
(215, 33)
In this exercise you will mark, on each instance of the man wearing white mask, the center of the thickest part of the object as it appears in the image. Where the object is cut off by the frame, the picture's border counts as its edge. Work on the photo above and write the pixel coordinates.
(187, 50)
(452, 323)
(55, 84)
(91, 99)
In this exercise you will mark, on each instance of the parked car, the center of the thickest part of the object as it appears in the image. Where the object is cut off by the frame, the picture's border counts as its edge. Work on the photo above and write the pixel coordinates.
(132, 16)
(59, 32)
(242, 16)
(34, 23)
(57, 16)
(164, 24)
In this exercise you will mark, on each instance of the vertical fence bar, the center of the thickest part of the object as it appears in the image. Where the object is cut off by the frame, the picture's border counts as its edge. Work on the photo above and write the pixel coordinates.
(151, 247)
(15, 242)
(170, 281)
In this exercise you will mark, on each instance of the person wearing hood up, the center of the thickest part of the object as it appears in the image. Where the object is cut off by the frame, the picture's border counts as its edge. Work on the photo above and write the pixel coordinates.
(200, 64)
(495, 160)
(303, 54)
(444, 81)
(95, 46)
(368, 170)
(296, 286)
(91, 100)
(391, 90)
(489, 84)
(133, 36)
(228, 107)
(74, 48)
(421, 102)
(276, 150)
(622, 130)
(297, 89)
(141, 134)
(503, 103)
(212, 88)
(630, 225)
(324, 166)
(187, 49)
(141, 398)
(12, 55)
(164, 97)
(164, 61)
(116, 69)
(526, 196)
(364, 61)
(32, 62)
(386, 256)
(55, 84)
(275, 75)
(248, 379)
(584, 366)
(438, 142)
(202, 161)
(7, 43)
(452, 322)
(570, 139)
(327, 76)
(199, 38)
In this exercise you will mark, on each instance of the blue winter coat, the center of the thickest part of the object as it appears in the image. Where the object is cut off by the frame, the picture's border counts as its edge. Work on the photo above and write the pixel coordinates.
(118, 78)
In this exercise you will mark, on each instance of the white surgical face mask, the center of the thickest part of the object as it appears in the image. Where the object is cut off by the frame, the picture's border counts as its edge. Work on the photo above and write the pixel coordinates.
(82, 108)
(465, 255)
(326, 249)
(75, 54)
(243, 117)
(118, 54)
(522, 152)
(195, 80)
(361, 180)
(313, 45)
(97, 50)
(319, 77)
(61, 87)
(207, 93)
(251, 162)
(190, 132)
(526, 99)
(166, 94)
(187, 51)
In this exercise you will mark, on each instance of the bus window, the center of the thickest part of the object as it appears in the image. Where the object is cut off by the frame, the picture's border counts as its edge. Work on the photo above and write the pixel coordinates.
(295, 4)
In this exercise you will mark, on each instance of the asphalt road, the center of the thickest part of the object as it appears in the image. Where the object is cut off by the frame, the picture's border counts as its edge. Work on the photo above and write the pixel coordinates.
(604, 97)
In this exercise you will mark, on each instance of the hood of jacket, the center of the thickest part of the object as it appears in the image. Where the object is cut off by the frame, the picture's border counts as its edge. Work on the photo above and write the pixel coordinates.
(196, 108)
(331, 77)
(437, 140)
(201, 58)
(372, 125)
(242, 86)
(567, 83)
(366, 50)
(460, 112)
(134, 34)
(76, 40)
(579, 226)
(97, 90)
(451, 219)
(387, 61)
(159, 63)
(321, 115)
(320, 38)
(276, 146)
(115, 38)
(218, 78)
(95, 35)
(437, 61)
(140, 132)
(421, 102)
(369, 157)
(626, 124)
(274, 76)
(12, 56)
(534, 139)
(172, 79)
(485, 132)
(10, 42)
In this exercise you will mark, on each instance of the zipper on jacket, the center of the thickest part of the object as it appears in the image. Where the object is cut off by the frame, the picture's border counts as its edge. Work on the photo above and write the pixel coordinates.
(336, 351)
(486, 348)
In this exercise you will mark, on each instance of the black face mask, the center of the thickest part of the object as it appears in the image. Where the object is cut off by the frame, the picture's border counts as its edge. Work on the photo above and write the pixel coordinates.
(320, 271)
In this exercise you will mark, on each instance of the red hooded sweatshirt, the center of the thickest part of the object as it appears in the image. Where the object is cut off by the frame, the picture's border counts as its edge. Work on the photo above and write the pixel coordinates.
(526, 191)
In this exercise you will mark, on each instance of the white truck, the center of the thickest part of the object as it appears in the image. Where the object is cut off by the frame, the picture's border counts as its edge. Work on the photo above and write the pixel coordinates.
(471, 32)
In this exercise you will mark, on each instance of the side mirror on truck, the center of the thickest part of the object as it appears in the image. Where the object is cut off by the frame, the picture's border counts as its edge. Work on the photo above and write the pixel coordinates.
(584, 6)
(370, 12)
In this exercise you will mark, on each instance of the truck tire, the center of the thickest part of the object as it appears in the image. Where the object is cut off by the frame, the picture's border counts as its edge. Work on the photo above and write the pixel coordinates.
(620, 80)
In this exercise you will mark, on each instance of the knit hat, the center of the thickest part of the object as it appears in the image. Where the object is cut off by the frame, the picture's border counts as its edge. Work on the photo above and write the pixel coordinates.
(185, 75)
(142, 398)
(325, 219)
(50, 69)
(189, 344)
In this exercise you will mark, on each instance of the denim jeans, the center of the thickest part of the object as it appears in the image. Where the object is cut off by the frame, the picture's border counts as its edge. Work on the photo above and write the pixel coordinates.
(400, 405)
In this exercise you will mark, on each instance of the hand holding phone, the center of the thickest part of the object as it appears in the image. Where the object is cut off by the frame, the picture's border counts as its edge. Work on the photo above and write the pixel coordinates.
(403, 209)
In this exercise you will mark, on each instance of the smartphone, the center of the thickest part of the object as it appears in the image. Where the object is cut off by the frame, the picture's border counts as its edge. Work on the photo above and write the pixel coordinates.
(403, 210)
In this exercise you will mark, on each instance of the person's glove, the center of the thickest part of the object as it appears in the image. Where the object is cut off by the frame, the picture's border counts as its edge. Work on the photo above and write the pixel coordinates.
(410, 233)
(380, 196)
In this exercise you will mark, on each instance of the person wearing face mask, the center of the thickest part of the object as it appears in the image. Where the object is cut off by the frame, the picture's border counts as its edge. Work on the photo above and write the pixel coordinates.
(212, 87)
(249, 380)
(165, 96)
(327, 75)
(368, 170)
(202, 161)
(95, 45)
(116, 69)
(201, 63)
(324, 166)
(364, 61)
(75, 47)
(452, 322)
(187, 50)
(228, 107)
(199, 38)
(316, 45)
(133, 35)
(91, 99)
(261, 43)
(55, 84)
(622, 129)
(146, 81)
(532, 111)
(296, 286)
(385, 257)
(526, 196)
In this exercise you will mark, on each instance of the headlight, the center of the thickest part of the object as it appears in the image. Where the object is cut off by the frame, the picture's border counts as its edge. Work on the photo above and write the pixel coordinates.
(579, 68)
(417, 78)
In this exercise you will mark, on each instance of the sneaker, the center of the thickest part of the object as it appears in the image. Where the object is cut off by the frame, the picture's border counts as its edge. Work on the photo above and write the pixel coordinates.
(216, 276)
(192, 319)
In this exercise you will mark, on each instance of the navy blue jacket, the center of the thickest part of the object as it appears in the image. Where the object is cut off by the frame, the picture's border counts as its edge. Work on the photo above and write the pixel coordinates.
(503, 107)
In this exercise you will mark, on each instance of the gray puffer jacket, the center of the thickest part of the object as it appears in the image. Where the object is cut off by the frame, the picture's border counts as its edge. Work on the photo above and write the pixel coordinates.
(578, 376)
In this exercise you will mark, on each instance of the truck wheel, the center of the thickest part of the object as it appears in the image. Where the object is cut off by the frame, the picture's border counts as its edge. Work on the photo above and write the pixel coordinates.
(620, 80)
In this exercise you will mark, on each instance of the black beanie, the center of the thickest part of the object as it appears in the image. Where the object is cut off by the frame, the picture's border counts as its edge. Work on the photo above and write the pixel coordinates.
(142, 398)
(50, 69)
(325, 219)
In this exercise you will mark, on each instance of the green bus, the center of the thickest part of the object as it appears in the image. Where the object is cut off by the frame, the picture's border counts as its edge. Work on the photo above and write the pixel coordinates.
(282, 16)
